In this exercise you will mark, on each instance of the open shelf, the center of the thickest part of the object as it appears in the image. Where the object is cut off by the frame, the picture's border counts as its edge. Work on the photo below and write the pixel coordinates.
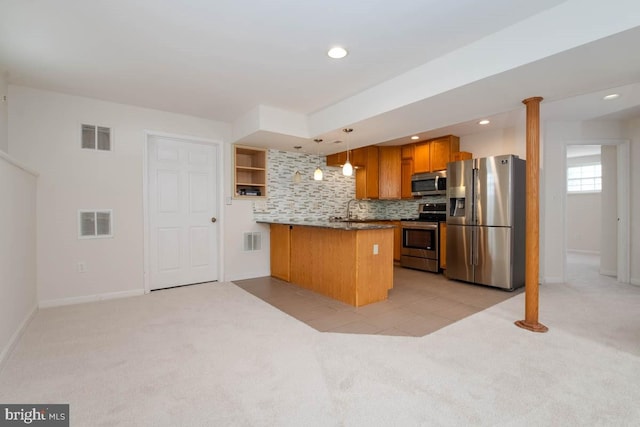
(250, 172)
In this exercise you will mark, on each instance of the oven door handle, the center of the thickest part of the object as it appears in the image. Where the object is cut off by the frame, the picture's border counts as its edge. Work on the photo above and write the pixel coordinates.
(420, 227)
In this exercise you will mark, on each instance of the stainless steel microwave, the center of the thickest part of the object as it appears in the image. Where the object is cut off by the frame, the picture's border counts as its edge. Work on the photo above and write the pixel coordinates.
(428, 184)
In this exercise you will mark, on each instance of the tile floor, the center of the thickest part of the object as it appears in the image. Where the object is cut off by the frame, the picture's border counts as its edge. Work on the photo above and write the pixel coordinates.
(419, 303)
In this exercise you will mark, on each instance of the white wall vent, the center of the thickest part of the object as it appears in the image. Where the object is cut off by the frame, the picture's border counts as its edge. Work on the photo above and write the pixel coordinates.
(252, 241)
(96, 137)
(95, 224)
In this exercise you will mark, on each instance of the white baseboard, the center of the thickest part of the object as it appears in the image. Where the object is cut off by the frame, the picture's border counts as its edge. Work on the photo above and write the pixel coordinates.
(612, 273)
(246, 276)
(586, 252)
(90, 298)
(552, 279)
(635, 281)
(6, 351)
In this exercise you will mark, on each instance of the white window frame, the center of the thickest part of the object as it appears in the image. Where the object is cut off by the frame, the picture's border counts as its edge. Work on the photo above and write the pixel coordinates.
(580, 166)
(95, 235)
(95, 147)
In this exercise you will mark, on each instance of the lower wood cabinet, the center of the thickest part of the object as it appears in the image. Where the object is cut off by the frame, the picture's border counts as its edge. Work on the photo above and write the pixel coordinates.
(397, 237)
(443, 245)
(354, 266)
(280, 245)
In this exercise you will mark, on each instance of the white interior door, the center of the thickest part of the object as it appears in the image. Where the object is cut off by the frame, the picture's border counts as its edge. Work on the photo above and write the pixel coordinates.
(183, 233)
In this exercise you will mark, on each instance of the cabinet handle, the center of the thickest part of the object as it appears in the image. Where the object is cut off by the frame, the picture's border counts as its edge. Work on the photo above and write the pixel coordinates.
(213, 219)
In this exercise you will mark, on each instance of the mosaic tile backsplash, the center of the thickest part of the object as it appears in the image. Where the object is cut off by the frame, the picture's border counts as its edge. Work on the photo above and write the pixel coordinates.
(310, 200)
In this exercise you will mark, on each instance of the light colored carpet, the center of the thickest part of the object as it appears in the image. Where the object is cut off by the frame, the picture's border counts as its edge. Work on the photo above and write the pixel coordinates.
(214, 355)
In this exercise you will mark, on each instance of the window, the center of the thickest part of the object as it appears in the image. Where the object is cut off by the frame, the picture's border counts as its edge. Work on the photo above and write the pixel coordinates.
(95, 224)
(96, 138)
(584, 178)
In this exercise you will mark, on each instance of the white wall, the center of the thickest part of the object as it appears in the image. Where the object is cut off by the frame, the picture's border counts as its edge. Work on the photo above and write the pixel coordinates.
(632, 132)
(4, 112)
(495, 142)
(18, 300)
(556, 136)
(583, 227)
(44, 134)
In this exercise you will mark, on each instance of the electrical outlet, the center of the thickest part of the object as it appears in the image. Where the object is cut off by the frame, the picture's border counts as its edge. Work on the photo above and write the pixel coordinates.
(82, 267)
(375, 249)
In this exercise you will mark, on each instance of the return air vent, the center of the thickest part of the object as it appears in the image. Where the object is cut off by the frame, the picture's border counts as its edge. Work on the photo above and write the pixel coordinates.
(252, 241)
(93, 224)
(96, 137)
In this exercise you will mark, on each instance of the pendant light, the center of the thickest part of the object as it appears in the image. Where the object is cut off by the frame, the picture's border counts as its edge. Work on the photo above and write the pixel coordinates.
(317, 174)
(297, 176)
(347, 169)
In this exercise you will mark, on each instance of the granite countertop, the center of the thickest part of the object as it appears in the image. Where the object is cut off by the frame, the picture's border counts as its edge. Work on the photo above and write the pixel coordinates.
(337, 225)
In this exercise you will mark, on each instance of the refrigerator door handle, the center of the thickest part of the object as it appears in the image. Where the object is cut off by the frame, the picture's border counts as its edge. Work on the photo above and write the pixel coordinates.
(471, 247)
(474, 246)
(474, 190)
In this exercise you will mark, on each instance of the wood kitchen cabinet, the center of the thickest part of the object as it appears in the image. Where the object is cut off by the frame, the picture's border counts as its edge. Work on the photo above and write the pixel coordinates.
(280, 244)
(367, 177)
(443, 245)
(390, 174)
(406, 170)
(461, 155)
(397, 240)
(397, 237)
(434, 154)
(407, 151)
(422, 158)
(337, 160)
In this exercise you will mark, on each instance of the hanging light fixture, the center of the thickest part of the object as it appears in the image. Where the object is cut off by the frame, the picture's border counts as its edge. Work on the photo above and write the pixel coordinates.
(317, 174)
(347, 169)
(297, 176)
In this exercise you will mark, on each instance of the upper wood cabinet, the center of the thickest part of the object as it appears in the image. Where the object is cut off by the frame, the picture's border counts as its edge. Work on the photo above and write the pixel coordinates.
(337, 160)
(407, 151)
(434, 154)
(422, 157)
(367, 179)
(250, 172)
(390, 172)
(406, 170)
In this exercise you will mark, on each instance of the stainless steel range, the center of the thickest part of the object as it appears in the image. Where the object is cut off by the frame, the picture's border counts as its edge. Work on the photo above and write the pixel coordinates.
(421, 238)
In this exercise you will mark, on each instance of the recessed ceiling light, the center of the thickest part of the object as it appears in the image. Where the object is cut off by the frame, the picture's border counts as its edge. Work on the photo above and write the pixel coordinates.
(414, 137)
(484, 122)
(337, 52)
(611, 96)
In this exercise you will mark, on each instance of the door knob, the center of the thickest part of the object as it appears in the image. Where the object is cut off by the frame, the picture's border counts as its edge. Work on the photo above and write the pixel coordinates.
(213, 219)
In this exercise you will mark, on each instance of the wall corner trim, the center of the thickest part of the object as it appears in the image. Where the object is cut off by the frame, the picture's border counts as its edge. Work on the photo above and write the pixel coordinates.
(17, 164)
(6, 351)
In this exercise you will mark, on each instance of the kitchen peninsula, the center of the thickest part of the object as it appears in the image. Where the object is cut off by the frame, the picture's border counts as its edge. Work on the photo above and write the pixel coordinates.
(348, 261)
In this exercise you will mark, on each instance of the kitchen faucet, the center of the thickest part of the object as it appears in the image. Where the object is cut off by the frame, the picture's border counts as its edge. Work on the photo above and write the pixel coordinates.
(349, 207)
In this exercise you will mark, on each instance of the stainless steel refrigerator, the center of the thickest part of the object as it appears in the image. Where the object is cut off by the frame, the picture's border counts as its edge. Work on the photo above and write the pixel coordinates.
(486, 221)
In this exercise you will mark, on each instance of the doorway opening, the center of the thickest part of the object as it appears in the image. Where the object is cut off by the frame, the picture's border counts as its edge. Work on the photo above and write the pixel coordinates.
(596, 210)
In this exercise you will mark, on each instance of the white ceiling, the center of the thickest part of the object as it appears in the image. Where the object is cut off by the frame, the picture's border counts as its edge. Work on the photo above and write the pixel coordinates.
(223, 59)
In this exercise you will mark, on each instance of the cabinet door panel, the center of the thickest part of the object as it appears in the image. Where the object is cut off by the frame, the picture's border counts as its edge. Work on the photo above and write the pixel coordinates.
(406, 172)
(439, 151)
(422, 158)
(390, 172)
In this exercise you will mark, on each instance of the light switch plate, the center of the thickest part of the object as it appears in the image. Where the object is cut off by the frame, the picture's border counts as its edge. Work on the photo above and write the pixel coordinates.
(375, 249)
